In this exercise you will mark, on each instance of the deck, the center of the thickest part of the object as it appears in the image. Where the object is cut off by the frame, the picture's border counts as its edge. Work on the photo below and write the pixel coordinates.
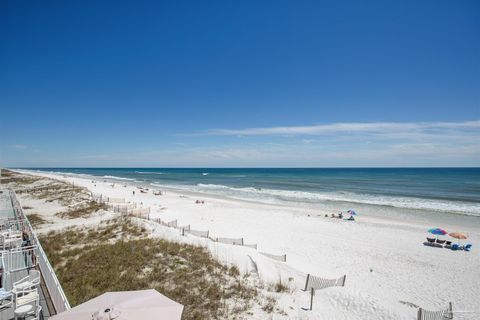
(17, 261)
(7, 313)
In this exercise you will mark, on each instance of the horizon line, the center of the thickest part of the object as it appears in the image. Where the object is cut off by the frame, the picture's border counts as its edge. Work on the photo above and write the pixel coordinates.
(327, 167)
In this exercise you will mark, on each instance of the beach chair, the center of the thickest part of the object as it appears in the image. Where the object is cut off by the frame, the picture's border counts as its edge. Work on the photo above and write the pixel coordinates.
(455, 247)
(432, 244)
(431, 240)
(467, 247)
(29, 282)
(27, 297)
(440, 241)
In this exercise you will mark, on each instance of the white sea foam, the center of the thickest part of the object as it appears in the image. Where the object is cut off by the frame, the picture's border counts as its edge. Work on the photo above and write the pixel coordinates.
(156, 185)
(118, 178)
(268, 195)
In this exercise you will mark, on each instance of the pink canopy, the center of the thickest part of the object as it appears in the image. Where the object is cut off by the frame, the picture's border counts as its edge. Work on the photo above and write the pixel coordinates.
(125, 305)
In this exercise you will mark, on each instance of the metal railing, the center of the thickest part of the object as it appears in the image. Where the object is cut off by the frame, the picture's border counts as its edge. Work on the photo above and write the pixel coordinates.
(17, 259)
(52, 284)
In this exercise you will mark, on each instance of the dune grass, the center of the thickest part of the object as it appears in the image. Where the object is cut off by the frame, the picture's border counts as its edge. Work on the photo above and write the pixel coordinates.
(83, 211)
(51, 190)
(10, 177)
(36, 220)
(118, 256)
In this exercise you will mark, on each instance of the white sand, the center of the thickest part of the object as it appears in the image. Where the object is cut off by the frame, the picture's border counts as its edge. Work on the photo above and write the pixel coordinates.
(385, 261)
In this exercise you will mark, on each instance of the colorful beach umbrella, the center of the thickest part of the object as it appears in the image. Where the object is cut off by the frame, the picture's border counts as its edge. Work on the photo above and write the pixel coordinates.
(352, 212)
(437, 231)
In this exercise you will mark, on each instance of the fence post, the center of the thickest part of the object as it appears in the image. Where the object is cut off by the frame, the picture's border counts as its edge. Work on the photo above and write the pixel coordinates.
(419, 314)
(306, 283)
(312, 293)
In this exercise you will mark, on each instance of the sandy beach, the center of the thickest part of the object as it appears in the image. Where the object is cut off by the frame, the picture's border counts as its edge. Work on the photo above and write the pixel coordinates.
(389, 271)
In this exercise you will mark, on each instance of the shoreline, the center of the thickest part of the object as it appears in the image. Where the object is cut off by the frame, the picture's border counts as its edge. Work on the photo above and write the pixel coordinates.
(415, 218)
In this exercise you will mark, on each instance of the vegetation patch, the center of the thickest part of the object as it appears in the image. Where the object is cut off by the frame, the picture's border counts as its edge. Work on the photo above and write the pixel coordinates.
(49, 190)
(36, 220)
(82, 211)
(10, 177)
(118, 256)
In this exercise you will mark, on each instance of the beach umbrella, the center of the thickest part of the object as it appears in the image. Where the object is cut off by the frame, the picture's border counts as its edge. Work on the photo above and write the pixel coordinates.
(437, 232)
(352, 212)
(125, 305)
(458, 235)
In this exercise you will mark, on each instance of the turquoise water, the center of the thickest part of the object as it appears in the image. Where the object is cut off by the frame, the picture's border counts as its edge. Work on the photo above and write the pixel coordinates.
(451, 191)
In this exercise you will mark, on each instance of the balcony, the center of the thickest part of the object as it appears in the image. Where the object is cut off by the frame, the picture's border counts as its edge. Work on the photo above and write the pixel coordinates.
(29, 286)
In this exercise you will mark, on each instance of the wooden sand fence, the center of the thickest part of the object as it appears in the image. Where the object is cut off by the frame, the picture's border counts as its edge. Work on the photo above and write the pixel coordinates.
(317, 283)
(435, 315)
(187, 230)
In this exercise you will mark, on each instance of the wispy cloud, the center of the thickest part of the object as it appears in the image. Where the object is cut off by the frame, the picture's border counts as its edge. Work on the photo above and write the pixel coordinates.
(346, 144)
(327, 145)
(352, 127)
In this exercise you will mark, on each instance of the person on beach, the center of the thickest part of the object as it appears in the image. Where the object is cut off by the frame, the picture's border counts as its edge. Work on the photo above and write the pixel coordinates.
(26, 242)
(25, 239)
(340, 215)
(133, 192)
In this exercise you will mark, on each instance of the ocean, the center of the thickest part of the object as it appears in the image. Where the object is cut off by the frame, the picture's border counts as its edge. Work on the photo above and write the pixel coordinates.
(398, 192)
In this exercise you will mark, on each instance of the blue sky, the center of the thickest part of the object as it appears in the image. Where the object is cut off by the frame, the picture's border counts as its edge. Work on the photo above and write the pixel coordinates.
(240, 83)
